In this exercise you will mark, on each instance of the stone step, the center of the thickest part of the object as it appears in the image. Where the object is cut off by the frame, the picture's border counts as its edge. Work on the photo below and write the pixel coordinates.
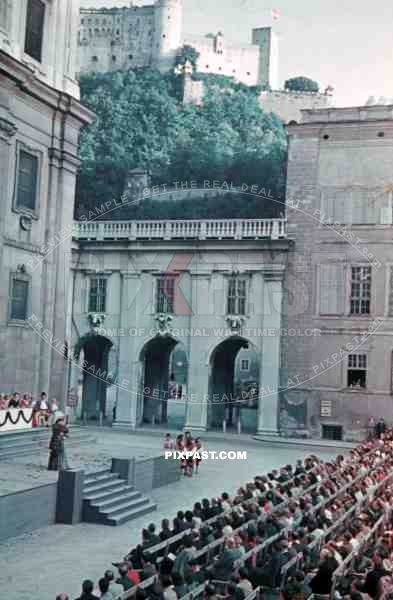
(129, 515)
(28, 443)
(91, 476)
(129, 496)
(95, 497)
(92, 479)
(106, 483)
(121, 507)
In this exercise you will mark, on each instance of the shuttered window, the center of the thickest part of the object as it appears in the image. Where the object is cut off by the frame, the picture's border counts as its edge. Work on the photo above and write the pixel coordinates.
(359, 206)
(331, 289)
(19, 299)
(26, 195)
(35, 18)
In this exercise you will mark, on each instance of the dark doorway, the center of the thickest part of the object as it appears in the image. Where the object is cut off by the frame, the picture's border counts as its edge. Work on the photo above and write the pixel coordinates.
(156, 379)
(233, 394)
(96, 350)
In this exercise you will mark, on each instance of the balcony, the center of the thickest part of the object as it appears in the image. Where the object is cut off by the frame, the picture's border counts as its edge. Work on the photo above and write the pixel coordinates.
(209, 229)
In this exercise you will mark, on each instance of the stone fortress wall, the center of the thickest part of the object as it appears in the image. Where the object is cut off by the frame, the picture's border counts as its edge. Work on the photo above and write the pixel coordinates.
(142, 36)
(134, 37)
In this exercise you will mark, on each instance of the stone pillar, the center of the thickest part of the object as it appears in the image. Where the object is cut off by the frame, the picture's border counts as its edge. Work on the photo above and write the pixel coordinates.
(268, 409)
(69, 497)
(127, 381)
(197, 391)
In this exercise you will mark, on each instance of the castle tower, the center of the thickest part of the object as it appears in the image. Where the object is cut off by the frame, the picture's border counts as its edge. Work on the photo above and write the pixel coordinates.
(168, 32)
(267, 41)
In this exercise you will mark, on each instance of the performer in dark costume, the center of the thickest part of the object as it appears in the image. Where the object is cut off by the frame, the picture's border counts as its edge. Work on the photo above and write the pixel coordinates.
(56, 445)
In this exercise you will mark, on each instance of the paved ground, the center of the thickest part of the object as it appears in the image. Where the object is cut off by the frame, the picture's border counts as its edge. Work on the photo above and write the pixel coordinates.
(54, 559)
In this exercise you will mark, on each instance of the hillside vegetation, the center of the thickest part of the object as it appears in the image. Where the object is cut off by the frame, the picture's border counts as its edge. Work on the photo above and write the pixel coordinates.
(141, 123)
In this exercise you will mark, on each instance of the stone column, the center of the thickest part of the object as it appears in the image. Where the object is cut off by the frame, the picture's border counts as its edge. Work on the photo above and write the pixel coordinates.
(204, 301)
(268, 409)
(197, 390)
(127, 380)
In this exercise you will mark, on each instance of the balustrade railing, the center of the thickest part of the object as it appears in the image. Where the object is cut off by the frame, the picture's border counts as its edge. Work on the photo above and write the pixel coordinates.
(214, 229)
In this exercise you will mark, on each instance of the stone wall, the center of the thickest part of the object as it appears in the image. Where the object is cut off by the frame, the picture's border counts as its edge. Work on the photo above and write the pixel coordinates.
(340, 169)
(113, 39)
(116, 39)
(28, 510)
(235, 60)
(58, 64)
(151, 473)
(288, 105)
(41, 122)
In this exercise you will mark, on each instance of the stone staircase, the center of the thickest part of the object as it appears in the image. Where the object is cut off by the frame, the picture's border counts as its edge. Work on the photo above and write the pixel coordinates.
(109, 500)
(31, 441)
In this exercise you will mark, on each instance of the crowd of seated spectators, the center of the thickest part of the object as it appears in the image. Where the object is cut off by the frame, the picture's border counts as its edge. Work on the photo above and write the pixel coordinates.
(42, 408)
(316, 515)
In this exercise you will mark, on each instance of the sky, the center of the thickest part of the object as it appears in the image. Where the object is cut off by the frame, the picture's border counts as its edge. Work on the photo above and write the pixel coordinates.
(347, 44)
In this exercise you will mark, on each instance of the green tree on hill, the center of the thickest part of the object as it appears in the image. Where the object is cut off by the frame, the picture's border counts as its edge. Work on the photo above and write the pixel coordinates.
(301, 84)
(140, 123)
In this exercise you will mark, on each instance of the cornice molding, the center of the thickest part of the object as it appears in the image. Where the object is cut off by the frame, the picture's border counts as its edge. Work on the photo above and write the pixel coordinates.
(25, 79)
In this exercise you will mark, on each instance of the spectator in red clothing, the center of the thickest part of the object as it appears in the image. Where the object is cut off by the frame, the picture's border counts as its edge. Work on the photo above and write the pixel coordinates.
(132, 574)
(25, 402)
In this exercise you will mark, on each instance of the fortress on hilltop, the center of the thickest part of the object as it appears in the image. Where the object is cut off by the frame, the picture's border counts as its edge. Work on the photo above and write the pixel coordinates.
(150, 36)
(132, 37)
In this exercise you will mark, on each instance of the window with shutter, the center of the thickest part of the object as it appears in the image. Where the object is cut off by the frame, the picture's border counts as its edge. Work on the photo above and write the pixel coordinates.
(26, 196)
(331, 289)
(19, 299)
(363, 207)
(35, 18)
(335, 203)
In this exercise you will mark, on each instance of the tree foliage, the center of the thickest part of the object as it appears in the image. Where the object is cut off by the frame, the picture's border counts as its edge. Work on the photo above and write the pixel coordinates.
(186, 54)
(301, 84)
(140, 123)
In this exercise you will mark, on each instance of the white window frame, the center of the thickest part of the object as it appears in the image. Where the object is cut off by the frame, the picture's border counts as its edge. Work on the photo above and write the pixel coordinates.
(90, 280)
(247, 368)
(157, 294)
(358, 352)
(349, 290)
(246, 280)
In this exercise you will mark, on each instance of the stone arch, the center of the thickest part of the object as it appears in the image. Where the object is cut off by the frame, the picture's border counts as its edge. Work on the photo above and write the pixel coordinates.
(156, 385)
(96, 376)
(232, 397)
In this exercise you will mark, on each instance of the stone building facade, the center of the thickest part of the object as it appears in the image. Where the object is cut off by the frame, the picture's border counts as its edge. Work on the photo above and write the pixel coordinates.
(40, 119)
(149, 36)
(210, 290)
(340, 277)
(288, 105)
